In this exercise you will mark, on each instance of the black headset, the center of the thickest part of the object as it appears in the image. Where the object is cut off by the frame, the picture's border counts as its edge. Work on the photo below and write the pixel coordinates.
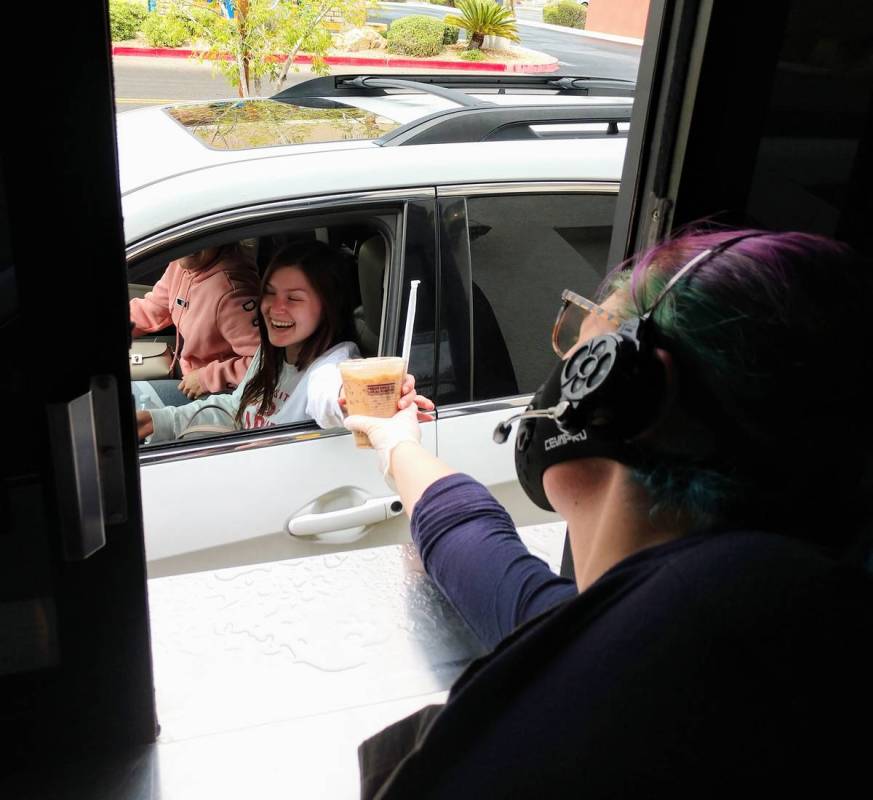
(613, 385)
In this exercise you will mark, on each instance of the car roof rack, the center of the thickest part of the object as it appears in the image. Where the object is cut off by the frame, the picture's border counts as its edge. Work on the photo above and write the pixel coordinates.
(496, 123)
(367, 82)
(473, 119)
(453, 87)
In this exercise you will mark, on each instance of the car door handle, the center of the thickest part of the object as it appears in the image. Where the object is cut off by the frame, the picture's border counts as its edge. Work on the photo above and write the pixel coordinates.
(378, 509)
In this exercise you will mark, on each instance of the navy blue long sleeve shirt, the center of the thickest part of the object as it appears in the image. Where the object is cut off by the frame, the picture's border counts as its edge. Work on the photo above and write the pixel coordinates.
(721, 664)
(471, 550)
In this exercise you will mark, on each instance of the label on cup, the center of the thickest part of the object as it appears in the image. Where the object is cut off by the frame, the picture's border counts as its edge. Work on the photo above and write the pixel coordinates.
(381, 388)
(372, 388)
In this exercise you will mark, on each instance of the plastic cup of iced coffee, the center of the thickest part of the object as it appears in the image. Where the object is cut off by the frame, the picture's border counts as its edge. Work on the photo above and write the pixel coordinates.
(372, 388)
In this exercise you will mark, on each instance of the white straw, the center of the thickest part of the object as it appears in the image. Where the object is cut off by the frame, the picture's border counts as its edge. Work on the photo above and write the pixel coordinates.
(410, 323)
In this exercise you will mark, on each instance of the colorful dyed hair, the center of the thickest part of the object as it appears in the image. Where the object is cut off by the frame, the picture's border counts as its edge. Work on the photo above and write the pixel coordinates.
(771, 343)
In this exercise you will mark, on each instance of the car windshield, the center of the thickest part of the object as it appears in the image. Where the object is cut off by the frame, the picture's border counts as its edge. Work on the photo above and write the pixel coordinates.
(243, 124)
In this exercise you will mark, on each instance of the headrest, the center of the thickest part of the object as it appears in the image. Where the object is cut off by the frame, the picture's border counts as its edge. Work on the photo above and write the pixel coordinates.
(371, 277)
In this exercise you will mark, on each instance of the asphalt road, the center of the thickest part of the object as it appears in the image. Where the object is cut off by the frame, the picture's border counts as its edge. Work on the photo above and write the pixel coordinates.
(578, 55)
(143, 81)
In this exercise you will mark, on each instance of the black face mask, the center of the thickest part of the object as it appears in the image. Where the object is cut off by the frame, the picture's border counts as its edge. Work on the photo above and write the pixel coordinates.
(540, 443)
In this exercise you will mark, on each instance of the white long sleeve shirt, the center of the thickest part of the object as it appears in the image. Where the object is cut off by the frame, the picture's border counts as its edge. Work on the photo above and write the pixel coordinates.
(311, 394)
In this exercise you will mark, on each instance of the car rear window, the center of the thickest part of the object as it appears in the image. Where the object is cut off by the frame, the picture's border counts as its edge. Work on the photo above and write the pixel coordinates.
(245, 124)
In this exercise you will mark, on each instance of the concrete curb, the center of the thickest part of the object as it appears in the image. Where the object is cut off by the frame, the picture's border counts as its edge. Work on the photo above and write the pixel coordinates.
(387, 61)
(608, 37)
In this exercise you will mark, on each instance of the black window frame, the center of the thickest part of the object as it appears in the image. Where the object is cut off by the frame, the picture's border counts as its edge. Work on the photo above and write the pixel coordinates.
(456, 276)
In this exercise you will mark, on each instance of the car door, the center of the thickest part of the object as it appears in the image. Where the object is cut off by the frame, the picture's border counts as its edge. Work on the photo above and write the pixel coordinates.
(227, 500)
(506, 253)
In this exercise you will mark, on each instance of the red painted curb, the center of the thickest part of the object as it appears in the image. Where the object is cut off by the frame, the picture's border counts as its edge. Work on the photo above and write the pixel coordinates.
(388, 61)
(160, 52)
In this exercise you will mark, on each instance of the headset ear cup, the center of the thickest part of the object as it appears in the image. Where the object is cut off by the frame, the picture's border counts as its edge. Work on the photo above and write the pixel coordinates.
(588, 381)
(614, 385)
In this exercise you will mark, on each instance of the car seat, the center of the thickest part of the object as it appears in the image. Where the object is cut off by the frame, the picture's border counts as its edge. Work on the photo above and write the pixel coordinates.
(372, 257)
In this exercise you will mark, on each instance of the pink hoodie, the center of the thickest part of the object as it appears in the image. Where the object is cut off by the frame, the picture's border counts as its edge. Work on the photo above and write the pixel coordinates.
(214, 312)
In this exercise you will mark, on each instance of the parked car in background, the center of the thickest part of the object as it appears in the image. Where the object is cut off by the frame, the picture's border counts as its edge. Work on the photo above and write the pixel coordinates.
(496, 193)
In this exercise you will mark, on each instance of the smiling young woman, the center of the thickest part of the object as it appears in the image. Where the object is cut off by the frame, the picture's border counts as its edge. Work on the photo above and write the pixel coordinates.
(291, 309)
(306, 316)
(305, 331)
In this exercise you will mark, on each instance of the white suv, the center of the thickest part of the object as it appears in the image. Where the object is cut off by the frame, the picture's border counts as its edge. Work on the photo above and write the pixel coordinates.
(494, 192)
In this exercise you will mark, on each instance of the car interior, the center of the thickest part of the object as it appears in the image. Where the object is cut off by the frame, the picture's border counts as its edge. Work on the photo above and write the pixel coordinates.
(364, 240)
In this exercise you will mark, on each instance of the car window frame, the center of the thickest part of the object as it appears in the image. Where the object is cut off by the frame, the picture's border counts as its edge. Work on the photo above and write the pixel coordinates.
(254, 220)
(452, 194)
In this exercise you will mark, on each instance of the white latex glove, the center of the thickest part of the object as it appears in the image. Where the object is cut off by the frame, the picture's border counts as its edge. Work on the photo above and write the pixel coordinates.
(386, 433)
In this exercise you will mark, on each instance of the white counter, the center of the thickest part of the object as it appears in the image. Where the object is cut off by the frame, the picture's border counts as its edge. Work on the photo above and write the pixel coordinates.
(269, 676)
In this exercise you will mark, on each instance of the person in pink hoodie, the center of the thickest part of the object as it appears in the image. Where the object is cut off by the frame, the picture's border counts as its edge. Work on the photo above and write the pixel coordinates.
(211, 298)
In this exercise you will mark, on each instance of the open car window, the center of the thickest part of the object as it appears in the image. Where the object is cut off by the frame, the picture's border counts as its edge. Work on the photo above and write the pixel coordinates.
(182, 319)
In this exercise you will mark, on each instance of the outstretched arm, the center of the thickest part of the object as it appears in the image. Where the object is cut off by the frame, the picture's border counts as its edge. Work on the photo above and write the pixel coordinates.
(414, 469)
(471, 549)
(397, 442)
(467, 541)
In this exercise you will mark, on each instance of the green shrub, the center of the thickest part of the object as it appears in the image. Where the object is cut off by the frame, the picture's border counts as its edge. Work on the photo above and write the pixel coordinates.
(473, 55)
(450, 34)
(481, 18)
(202, 23)
(450, 3)
(565, 12)
(165, 30)
(125, 19)
(416, 35)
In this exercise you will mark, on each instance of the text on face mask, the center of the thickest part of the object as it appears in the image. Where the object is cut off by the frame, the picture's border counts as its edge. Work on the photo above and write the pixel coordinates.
(565, 438)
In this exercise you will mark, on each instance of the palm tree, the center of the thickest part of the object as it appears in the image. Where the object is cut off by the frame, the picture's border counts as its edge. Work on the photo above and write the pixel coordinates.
(481, 18)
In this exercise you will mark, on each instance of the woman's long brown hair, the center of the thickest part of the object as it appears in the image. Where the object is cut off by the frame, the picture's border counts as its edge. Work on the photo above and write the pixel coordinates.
(327, 271)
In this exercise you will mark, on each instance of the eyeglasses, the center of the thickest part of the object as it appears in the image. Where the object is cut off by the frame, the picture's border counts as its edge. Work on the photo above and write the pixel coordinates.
(568, 325)
(575, 308)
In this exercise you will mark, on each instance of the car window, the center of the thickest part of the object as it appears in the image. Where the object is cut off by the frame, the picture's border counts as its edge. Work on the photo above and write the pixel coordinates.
(364, 248)
(523, 251)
